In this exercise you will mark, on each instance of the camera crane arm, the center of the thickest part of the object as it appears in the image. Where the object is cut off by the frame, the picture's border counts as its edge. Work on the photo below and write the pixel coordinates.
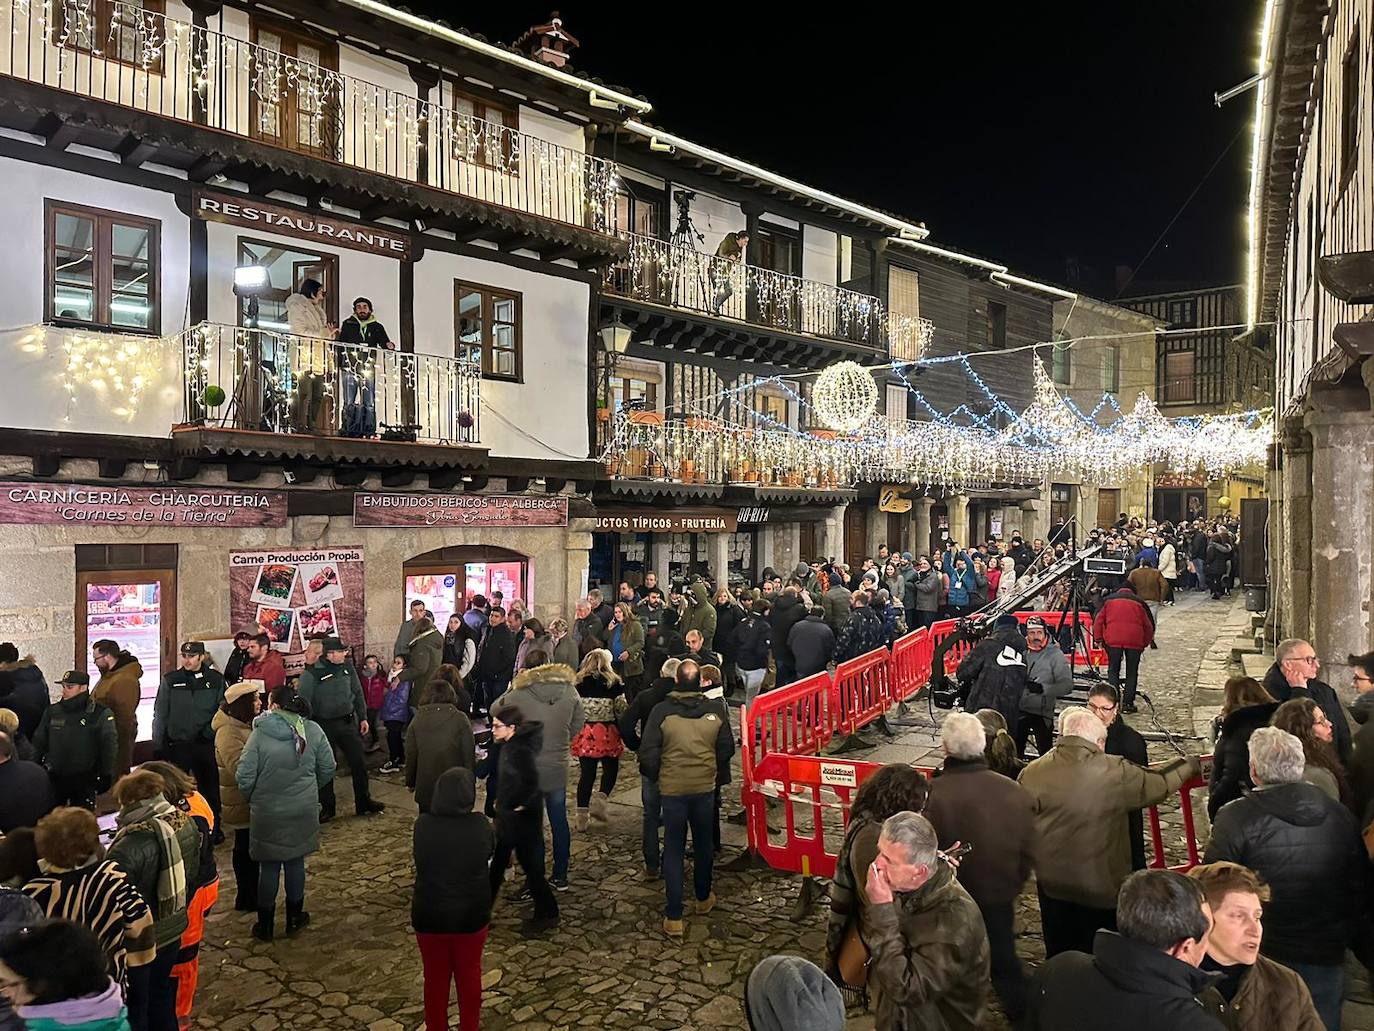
(979, 624)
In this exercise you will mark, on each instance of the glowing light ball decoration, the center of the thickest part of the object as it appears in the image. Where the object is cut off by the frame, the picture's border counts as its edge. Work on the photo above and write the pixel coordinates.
(845, 396)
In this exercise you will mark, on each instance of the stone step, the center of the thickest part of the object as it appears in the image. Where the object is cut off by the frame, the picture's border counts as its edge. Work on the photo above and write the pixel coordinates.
(1256, 664)
(1242, 646)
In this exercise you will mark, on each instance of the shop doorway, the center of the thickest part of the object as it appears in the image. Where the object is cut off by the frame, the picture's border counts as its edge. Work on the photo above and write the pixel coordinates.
(1108, 507)
(898, 532)
(855, 536)
(446, 579)
(806, 542)
(127, 593)
(1175, 505)
(617, 558)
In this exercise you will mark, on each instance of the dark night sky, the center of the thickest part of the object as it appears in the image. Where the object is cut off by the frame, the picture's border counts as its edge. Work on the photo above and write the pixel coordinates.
(1026, 133)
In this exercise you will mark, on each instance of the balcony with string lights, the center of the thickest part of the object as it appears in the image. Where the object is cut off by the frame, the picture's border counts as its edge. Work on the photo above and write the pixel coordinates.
(687, 299)
(151, 89)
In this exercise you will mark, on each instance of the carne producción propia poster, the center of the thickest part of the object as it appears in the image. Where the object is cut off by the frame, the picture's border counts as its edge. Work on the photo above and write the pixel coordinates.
(295, 595)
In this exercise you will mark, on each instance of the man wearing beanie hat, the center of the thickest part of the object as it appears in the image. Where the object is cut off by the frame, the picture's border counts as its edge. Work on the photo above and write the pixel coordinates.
(993, 675)
(787, 992)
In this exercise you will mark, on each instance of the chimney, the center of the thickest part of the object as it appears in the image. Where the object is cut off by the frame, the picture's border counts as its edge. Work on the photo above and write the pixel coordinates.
(549, 43)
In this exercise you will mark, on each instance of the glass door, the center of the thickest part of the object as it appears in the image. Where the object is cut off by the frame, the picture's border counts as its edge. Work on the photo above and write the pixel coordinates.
(135, 608)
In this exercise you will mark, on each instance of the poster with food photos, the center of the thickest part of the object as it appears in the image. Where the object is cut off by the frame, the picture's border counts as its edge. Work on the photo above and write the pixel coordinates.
(296, 595)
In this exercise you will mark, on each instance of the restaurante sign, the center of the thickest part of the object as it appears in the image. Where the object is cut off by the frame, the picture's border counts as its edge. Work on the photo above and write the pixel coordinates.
(307, 225)
(56, 503)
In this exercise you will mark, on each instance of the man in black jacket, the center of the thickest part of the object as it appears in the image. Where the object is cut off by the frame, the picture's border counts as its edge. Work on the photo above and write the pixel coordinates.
(23, 688)
(631, 726)
(358, 368)
(1294, 675)
(863, 633)
(77, 741)
(496, 663)
(1307, 848)
(993, 675)
(25, 793)
(811, 643)
(1144, 978)
(788, 611)
(753, 637)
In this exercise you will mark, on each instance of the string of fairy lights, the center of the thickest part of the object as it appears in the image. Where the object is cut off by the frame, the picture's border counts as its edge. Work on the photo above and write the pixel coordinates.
(952, 450)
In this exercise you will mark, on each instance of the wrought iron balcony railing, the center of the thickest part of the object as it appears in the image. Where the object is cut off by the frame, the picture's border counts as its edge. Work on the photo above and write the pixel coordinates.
(681, 277)
(120, 53)
(257, 379)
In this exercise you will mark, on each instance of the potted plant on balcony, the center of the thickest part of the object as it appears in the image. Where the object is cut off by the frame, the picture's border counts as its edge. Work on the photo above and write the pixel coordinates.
(603, 406)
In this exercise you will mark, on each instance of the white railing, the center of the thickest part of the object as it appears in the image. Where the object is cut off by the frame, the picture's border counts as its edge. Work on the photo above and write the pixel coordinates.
(257, 379)
(121, 54)
(681, 277)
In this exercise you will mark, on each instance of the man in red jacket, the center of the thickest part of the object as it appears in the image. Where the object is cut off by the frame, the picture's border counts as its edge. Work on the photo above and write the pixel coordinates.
(264, 664)
(1125, 626)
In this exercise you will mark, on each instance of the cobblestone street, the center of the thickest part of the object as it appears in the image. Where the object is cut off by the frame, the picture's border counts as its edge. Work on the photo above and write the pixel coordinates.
(608, 965)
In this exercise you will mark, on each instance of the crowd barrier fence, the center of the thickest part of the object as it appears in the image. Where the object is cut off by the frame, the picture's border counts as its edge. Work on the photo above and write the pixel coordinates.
(784, 732)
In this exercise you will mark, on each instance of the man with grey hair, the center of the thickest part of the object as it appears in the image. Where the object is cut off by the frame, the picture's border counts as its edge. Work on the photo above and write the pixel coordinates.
(1082, 854)
(929, 951)
(1140, 979)
(1294, 675)
(970, 803)
(1307, 848)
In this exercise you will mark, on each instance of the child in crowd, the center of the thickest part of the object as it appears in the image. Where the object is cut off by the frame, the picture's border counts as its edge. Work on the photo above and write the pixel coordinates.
(374, 688)
(395, 714)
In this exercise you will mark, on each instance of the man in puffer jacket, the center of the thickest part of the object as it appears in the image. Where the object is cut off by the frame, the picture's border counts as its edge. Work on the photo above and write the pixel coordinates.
(835, 601)
(22, 688)
(1307, 848)
(547, 695)
(1125, 626)
(993, 675)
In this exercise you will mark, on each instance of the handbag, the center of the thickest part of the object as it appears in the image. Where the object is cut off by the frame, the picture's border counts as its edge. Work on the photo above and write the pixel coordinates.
(851, 962)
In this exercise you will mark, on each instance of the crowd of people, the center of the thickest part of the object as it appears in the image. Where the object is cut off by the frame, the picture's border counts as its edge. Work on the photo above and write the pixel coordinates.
(498, 708)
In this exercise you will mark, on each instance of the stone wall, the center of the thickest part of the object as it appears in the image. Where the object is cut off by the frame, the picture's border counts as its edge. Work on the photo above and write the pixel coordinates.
(38, 598)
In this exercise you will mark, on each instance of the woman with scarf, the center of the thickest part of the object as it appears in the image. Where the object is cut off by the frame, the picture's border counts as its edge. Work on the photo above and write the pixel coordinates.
(285, 763)
(158, 847)
(598, 742)
(181, 792)
(460, 645)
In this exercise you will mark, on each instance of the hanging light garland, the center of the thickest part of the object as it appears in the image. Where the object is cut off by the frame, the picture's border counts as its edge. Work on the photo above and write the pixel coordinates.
(957, 450)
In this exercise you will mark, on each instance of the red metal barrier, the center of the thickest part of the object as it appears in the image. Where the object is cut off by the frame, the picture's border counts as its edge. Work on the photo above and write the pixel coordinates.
(910, 664)
(1185, 804)
(795, 720)
(809, 787)
(861, 691)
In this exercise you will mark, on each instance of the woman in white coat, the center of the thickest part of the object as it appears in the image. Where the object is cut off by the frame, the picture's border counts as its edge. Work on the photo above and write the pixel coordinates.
(1006, 586)
(1168, 568)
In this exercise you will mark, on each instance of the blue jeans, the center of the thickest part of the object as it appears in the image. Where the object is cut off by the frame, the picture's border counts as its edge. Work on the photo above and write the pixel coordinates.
(360, 416)
(653, 820)
(1327, 985)
(556, 802)
(270, 872)
(680, 812)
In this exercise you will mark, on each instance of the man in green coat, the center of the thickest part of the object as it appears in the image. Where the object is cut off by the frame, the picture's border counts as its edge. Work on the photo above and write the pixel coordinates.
(699, 614)
(335, 695)
(424, 656)
(77, 740)
(187, 700)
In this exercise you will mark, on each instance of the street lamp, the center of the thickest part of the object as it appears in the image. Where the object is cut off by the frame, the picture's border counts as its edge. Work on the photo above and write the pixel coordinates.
(252, 282)
(615, 336)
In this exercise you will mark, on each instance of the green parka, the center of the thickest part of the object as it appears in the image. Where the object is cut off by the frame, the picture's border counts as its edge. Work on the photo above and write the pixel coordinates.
(333, 692)
(138, 852)
(77, 736)
(280, 774)
(700, 615)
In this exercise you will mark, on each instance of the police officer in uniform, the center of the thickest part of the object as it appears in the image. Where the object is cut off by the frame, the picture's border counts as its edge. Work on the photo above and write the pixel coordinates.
(78, 742)
(335, 694)
(187, 700)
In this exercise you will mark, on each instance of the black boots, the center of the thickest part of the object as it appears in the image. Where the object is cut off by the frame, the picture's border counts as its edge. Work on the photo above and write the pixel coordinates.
(296, 918)
(262, 930)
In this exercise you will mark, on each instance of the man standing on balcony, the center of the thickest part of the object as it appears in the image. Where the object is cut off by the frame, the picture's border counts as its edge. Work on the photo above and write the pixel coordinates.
(732, 249)
(357, 368)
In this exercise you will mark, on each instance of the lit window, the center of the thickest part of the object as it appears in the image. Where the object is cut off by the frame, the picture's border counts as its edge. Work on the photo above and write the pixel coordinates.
(102, 268)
